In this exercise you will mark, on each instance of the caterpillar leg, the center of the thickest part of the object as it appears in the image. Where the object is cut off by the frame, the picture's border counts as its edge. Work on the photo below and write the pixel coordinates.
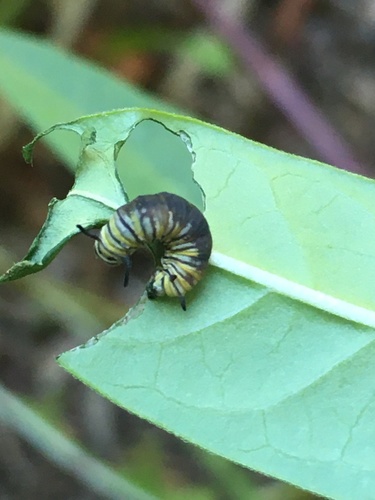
(156, 287)
(128, 265)
(88, 233)
(182, 302)
(151, 293)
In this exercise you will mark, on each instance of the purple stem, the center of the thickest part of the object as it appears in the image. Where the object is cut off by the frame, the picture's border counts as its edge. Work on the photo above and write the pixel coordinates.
(284, 91)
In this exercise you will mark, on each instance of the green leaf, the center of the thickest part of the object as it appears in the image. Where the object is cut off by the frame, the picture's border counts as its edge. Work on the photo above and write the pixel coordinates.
(95, 194)
(46, 85)
(250, 375)
(271, 365)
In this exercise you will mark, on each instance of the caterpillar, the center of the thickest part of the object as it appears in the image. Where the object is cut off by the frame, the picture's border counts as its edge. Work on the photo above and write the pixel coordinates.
(174, 230)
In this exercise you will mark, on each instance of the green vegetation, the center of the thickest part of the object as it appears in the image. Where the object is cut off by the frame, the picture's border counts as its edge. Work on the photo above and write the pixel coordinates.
(270, 367)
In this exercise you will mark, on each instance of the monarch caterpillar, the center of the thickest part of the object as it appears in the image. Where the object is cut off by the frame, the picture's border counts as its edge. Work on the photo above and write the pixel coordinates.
(173, 229)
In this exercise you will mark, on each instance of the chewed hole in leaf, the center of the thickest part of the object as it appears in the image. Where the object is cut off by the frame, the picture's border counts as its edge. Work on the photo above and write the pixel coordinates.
(53, 169)
(165, 164)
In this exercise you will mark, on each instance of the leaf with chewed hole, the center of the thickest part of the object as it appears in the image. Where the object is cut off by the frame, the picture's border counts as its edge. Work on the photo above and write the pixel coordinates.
(31, 81)
(95, 194)
(271, 365)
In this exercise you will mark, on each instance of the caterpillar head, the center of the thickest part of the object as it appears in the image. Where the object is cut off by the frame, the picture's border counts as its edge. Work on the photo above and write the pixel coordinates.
(165, 283)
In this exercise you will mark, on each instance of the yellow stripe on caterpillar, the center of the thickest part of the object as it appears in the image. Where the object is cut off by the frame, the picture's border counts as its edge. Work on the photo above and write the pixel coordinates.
(155, 221)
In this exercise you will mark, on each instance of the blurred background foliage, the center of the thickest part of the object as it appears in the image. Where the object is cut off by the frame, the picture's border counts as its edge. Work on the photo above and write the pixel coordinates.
(178, 52)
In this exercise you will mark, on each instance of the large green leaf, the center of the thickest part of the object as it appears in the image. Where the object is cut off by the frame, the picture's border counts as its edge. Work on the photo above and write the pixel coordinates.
(271, 365)
(47, 85)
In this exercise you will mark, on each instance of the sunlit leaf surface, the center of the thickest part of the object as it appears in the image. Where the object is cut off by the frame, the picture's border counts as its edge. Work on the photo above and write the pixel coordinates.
(271, 365)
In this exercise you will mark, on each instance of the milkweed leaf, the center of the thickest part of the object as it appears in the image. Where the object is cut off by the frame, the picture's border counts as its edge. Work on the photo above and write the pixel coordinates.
(271, 365)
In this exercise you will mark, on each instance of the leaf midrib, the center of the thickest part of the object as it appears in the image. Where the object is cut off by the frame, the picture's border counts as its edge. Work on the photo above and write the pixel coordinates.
(296, 291)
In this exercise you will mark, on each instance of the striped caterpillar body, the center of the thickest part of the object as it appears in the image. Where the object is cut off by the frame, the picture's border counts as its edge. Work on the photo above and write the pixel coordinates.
(164, 222)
